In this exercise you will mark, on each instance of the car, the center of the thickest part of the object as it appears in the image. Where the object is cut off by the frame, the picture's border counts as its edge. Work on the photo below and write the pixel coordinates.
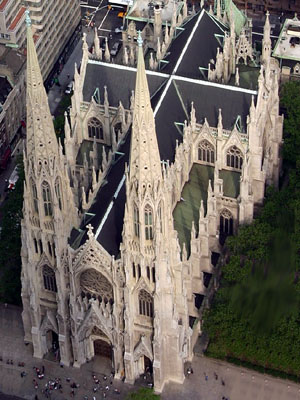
(13, 179)
(114, 50)
(119, 30)
(69, 88)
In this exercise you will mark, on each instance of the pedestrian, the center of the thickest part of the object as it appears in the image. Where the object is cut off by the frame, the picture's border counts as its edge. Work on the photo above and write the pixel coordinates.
(216, 376)
(223, 383)
(68, 76)
(43, 370)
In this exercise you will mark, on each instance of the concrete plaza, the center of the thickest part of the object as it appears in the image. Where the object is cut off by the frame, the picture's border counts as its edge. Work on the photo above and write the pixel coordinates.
(240, 383)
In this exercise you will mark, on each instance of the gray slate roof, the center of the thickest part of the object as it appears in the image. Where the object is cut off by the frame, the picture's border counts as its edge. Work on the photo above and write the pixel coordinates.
(174, 99)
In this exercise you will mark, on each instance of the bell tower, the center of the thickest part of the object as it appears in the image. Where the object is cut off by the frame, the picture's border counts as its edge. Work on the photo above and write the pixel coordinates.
(49, 214)
(151, 319)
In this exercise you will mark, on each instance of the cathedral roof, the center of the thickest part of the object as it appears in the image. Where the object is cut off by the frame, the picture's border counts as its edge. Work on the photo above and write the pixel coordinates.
(172, 90)
(197, 44)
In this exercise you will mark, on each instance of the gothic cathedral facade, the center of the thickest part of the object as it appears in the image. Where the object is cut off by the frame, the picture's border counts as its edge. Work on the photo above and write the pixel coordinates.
(121, 221)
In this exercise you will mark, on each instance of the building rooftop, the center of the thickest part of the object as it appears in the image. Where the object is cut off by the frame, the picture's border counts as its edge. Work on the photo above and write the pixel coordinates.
(195, 190)
(288, 43)
(17, 18)
(3, 4)
(172, 91)
(12, 59)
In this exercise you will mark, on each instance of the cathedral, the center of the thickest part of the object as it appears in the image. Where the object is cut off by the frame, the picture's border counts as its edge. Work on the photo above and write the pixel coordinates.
(165, 154)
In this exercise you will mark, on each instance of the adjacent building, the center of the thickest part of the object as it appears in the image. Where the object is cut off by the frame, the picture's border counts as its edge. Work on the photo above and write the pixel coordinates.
(53, 23)
(12, 25)
(12, 98)
(162, 161)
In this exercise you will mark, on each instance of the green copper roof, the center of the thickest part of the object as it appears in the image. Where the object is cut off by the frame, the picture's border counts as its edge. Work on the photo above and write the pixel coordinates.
(195, 190)
(86, 147)
(228, 6)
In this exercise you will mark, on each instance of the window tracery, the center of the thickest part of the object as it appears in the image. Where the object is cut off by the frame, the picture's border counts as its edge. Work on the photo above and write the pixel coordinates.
(95, 128)
(47, 199)
(148, 223)
(49, 279)
(206, 152)
(34, 196)
(145, 304)
(226, 222)
(58, 193)
(234, 158)
(94, 284)
(136, 221)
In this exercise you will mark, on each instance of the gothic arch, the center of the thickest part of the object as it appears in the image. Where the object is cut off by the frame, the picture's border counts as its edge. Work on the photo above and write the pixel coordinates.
(88, 324)
(226, 222)
(94, 284)
(95, 128)
(234, 157)
(92, 255)
(206, 151)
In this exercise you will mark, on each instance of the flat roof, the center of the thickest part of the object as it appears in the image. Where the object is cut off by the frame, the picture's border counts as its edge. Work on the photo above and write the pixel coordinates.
(287, 46)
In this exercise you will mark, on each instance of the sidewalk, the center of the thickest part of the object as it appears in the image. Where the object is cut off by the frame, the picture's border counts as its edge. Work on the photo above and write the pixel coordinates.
(56, 93)
(12, 347)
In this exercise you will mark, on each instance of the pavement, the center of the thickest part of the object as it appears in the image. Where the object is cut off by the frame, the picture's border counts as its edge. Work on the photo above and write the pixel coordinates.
(239, 383)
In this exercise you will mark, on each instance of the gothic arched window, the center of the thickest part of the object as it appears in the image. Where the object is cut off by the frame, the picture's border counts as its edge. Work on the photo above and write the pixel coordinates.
(133, 270)
(58, 193)
(47, 198)
(234, 158)
(145, 304)
(95, 128)
(94, 284)
(148, 223)
(34, 196)
(206, 152)
(226, 222)
(136, 221)
(148, 272)
(49, 279)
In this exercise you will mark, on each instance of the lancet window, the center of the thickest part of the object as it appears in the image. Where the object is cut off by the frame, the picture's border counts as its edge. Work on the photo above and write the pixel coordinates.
(234, 158)
(160, 218)
(148, 223)
(206, 152)
(145, 304)
(47, 198)
(34, 196)
(95, 128)
(49, 279)
(226, 222)
(136, 221)
(58, 193)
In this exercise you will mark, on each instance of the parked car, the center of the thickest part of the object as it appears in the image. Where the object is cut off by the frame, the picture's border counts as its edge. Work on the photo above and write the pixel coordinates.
(13, 179)
(69, 88)
(116, 47)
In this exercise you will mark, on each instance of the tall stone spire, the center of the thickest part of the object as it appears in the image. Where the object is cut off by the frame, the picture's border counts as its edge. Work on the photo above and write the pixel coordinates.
(41, 139)
(266, 43)
(144, 154)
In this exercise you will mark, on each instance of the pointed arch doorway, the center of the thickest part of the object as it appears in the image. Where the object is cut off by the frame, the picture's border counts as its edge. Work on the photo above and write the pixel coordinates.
(103, 360)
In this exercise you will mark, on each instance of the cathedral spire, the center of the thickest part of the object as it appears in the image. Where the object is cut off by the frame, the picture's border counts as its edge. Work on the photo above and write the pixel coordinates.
(266, 43)
(144, 153)
(41, 138)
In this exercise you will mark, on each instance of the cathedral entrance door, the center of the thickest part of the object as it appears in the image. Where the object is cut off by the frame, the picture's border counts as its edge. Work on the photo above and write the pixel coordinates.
(148, 365)
(102, 348)
(52, 345)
